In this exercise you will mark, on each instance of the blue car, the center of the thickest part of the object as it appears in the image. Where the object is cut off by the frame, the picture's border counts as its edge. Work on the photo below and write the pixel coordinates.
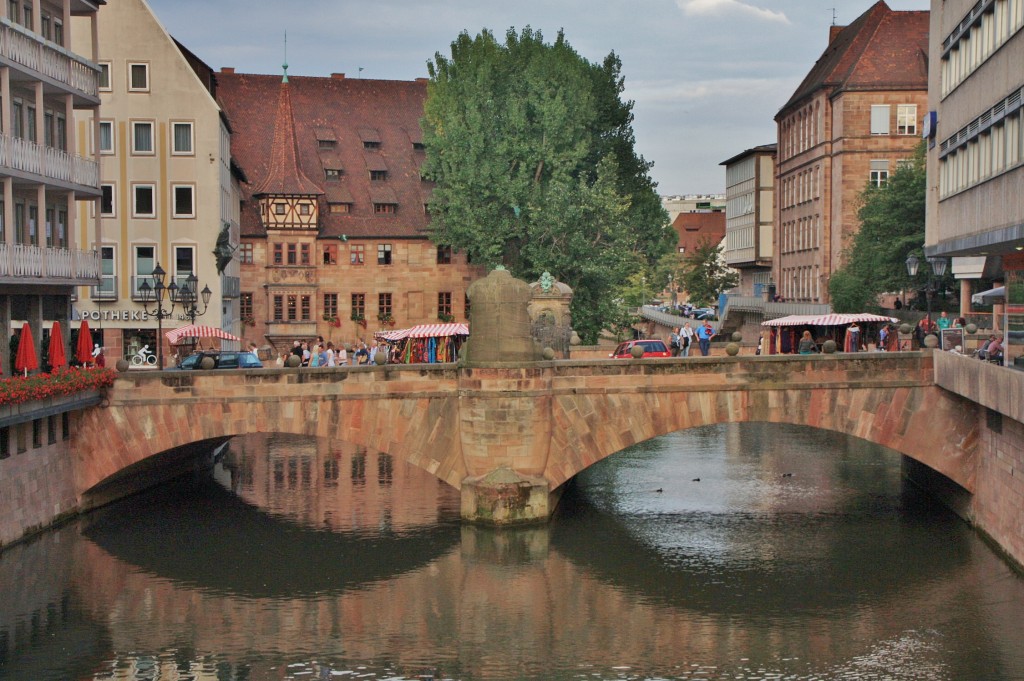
(229, 359)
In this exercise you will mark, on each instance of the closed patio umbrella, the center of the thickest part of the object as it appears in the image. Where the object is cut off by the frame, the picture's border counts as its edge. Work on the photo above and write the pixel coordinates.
(25, 359)
(58, 357)
(83, 349)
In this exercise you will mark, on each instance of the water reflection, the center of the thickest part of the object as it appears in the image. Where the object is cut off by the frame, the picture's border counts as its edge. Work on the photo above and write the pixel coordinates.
(309, 559)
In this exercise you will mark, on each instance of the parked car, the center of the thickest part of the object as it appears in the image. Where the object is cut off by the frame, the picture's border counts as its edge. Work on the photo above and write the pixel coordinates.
(702, 313)
(652, 348)
(228, 359)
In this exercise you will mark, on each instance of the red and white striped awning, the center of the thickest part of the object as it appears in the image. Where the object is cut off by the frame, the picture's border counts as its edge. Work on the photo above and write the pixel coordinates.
(175, 336)
(827, 319)
(424, 331)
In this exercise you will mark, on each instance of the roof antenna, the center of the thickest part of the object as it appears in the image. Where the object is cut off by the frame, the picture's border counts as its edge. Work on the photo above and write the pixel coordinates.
(360, 71)
(285, 64)
(833, 10)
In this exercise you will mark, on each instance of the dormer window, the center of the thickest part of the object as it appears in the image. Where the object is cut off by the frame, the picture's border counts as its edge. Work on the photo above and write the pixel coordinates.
(371, 145)
(370, 138)
(326, 144)
(378, 175)
(385, 208)
(325, 138)
(332, 173)
(419, 146)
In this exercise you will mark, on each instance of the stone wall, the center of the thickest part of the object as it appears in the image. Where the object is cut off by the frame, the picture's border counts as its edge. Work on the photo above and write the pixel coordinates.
(36, 486)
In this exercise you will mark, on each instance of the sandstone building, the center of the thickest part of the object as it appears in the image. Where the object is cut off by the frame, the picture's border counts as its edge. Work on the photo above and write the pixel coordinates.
(851, 121)
(334, 210)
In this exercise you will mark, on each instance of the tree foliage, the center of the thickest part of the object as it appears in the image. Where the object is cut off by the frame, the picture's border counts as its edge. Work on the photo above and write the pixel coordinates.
(705, 276)
(532, 150)
(892, 227)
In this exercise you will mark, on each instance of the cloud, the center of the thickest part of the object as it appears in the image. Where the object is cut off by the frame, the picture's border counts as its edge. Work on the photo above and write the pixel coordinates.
(710, 8)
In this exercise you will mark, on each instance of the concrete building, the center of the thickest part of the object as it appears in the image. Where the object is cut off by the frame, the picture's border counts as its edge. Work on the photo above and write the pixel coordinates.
(166, 183)
(334, 220)
(975, 143)
(849, 123)
(688, 203)
(749, 216)
(43, 81)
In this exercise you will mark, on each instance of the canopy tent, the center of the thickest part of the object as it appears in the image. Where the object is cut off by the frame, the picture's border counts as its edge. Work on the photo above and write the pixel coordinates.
(993, 295)
(175, 336)
(426, 343)
(55, 351)
(827, 319)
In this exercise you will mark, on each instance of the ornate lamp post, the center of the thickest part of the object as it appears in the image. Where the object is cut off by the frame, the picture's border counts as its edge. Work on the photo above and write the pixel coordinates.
(157, 293)
(938, 268)
(190, 301)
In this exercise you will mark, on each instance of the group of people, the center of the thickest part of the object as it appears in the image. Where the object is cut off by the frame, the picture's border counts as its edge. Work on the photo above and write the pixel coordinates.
(320, 353)
(683, 338)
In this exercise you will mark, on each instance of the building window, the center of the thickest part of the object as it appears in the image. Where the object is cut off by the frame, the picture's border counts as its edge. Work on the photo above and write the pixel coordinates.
(279, 208)
(305, 209)
(369, 144)
(143, 201)
(305, 308)
(5, 442)
(879, 119)
(142, 137)
(383, 254)
(278, 254)
(357, 254)
(293, 254)
(145, 261)
(385, 208)
(278, 308)
(906, 119)
(246, 255)
(358, 306)
(304, 255)
(138, 77)
(444, 255)
(466, 307)
(378, 175)
(444, 304)
(330, 254)
(107, 289)
(332, 173)
(383, 305)
(292, 300)
(341, 208)
(181, 139)
(245, 309)
(51, 429)
(104, 76)
(58, 33)
(331, 305)
(37, 433)
(107, 201)
(184, 264)
(65, 424)
(184, 200)
(106, 137)
(879, 173)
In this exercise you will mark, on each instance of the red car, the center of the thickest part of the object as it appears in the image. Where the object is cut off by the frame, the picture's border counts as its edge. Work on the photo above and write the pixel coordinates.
(652, 348)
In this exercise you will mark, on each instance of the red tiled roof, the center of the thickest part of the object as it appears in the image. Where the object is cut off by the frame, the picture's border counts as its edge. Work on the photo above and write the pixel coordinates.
(693, 228)
(881, 50)
(284, 176)
(351, 110)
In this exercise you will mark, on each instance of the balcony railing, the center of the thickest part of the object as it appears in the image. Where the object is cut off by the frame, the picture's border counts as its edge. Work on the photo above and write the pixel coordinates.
(34, 52)
(26, 260)
(49, 162)
(107, 290)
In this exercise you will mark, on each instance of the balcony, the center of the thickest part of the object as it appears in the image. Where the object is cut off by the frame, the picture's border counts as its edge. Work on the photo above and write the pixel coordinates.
(107, 289)
(230, 287)
(20, 47)
(21, 262)
(50, 164)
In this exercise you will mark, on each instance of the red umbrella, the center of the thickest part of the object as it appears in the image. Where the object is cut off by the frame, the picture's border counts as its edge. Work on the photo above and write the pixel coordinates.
(58, 357)
(26, 358)
(83, 349)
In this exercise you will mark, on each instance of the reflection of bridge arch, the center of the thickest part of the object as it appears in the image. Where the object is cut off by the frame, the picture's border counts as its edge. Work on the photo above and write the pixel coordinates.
(546, 420)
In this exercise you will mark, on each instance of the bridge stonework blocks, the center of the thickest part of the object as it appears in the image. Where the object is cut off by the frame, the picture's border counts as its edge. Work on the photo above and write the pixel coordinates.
(543, 421)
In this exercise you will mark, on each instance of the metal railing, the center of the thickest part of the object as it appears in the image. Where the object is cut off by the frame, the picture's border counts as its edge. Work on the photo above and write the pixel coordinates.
(49, 162)
(26, 260)
(35, 52)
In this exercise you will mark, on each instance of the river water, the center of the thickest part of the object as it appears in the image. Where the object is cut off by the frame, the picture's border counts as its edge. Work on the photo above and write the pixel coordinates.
(730, 552)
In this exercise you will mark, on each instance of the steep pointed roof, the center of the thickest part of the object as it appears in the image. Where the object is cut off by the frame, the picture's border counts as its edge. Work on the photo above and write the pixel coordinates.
(284, 175)
(881, 50)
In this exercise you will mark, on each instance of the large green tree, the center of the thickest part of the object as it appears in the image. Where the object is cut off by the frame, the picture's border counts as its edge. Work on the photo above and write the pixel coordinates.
(891, 227)
(532, 150)
(705, 276)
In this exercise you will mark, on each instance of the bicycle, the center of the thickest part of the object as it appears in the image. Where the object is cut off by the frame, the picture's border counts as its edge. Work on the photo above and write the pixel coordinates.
(144, 357)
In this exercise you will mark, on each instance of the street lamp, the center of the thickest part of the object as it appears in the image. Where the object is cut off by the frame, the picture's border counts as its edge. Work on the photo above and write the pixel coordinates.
(184, 296)
(938, 268)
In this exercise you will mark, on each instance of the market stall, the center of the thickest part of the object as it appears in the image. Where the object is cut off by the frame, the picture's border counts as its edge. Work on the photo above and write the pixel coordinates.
(851, 332)
(426, 343)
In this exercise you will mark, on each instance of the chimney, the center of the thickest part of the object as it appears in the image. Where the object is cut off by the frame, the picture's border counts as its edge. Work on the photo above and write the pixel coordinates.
(227, 69)
(338, 76)
(833, 31)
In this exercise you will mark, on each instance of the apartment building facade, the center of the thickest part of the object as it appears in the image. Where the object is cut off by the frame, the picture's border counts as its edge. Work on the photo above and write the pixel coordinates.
(44, 80)
(167, 191)
(334, 217)
(749, 216)
(975, 133)
(851, 121)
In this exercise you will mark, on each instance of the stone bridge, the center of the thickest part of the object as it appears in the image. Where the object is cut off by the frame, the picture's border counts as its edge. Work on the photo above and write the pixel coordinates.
(509, 435)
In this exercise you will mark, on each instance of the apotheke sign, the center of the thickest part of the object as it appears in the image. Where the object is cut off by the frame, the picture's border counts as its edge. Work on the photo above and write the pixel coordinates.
(117, 315)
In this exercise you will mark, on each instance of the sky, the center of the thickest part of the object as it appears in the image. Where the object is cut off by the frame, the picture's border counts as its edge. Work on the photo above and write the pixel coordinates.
(706, 76)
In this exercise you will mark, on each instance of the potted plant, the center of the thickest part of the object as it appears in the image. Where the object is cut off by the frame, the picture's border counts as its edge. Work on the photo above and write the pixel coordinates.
(445, 317)
(386, 318)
